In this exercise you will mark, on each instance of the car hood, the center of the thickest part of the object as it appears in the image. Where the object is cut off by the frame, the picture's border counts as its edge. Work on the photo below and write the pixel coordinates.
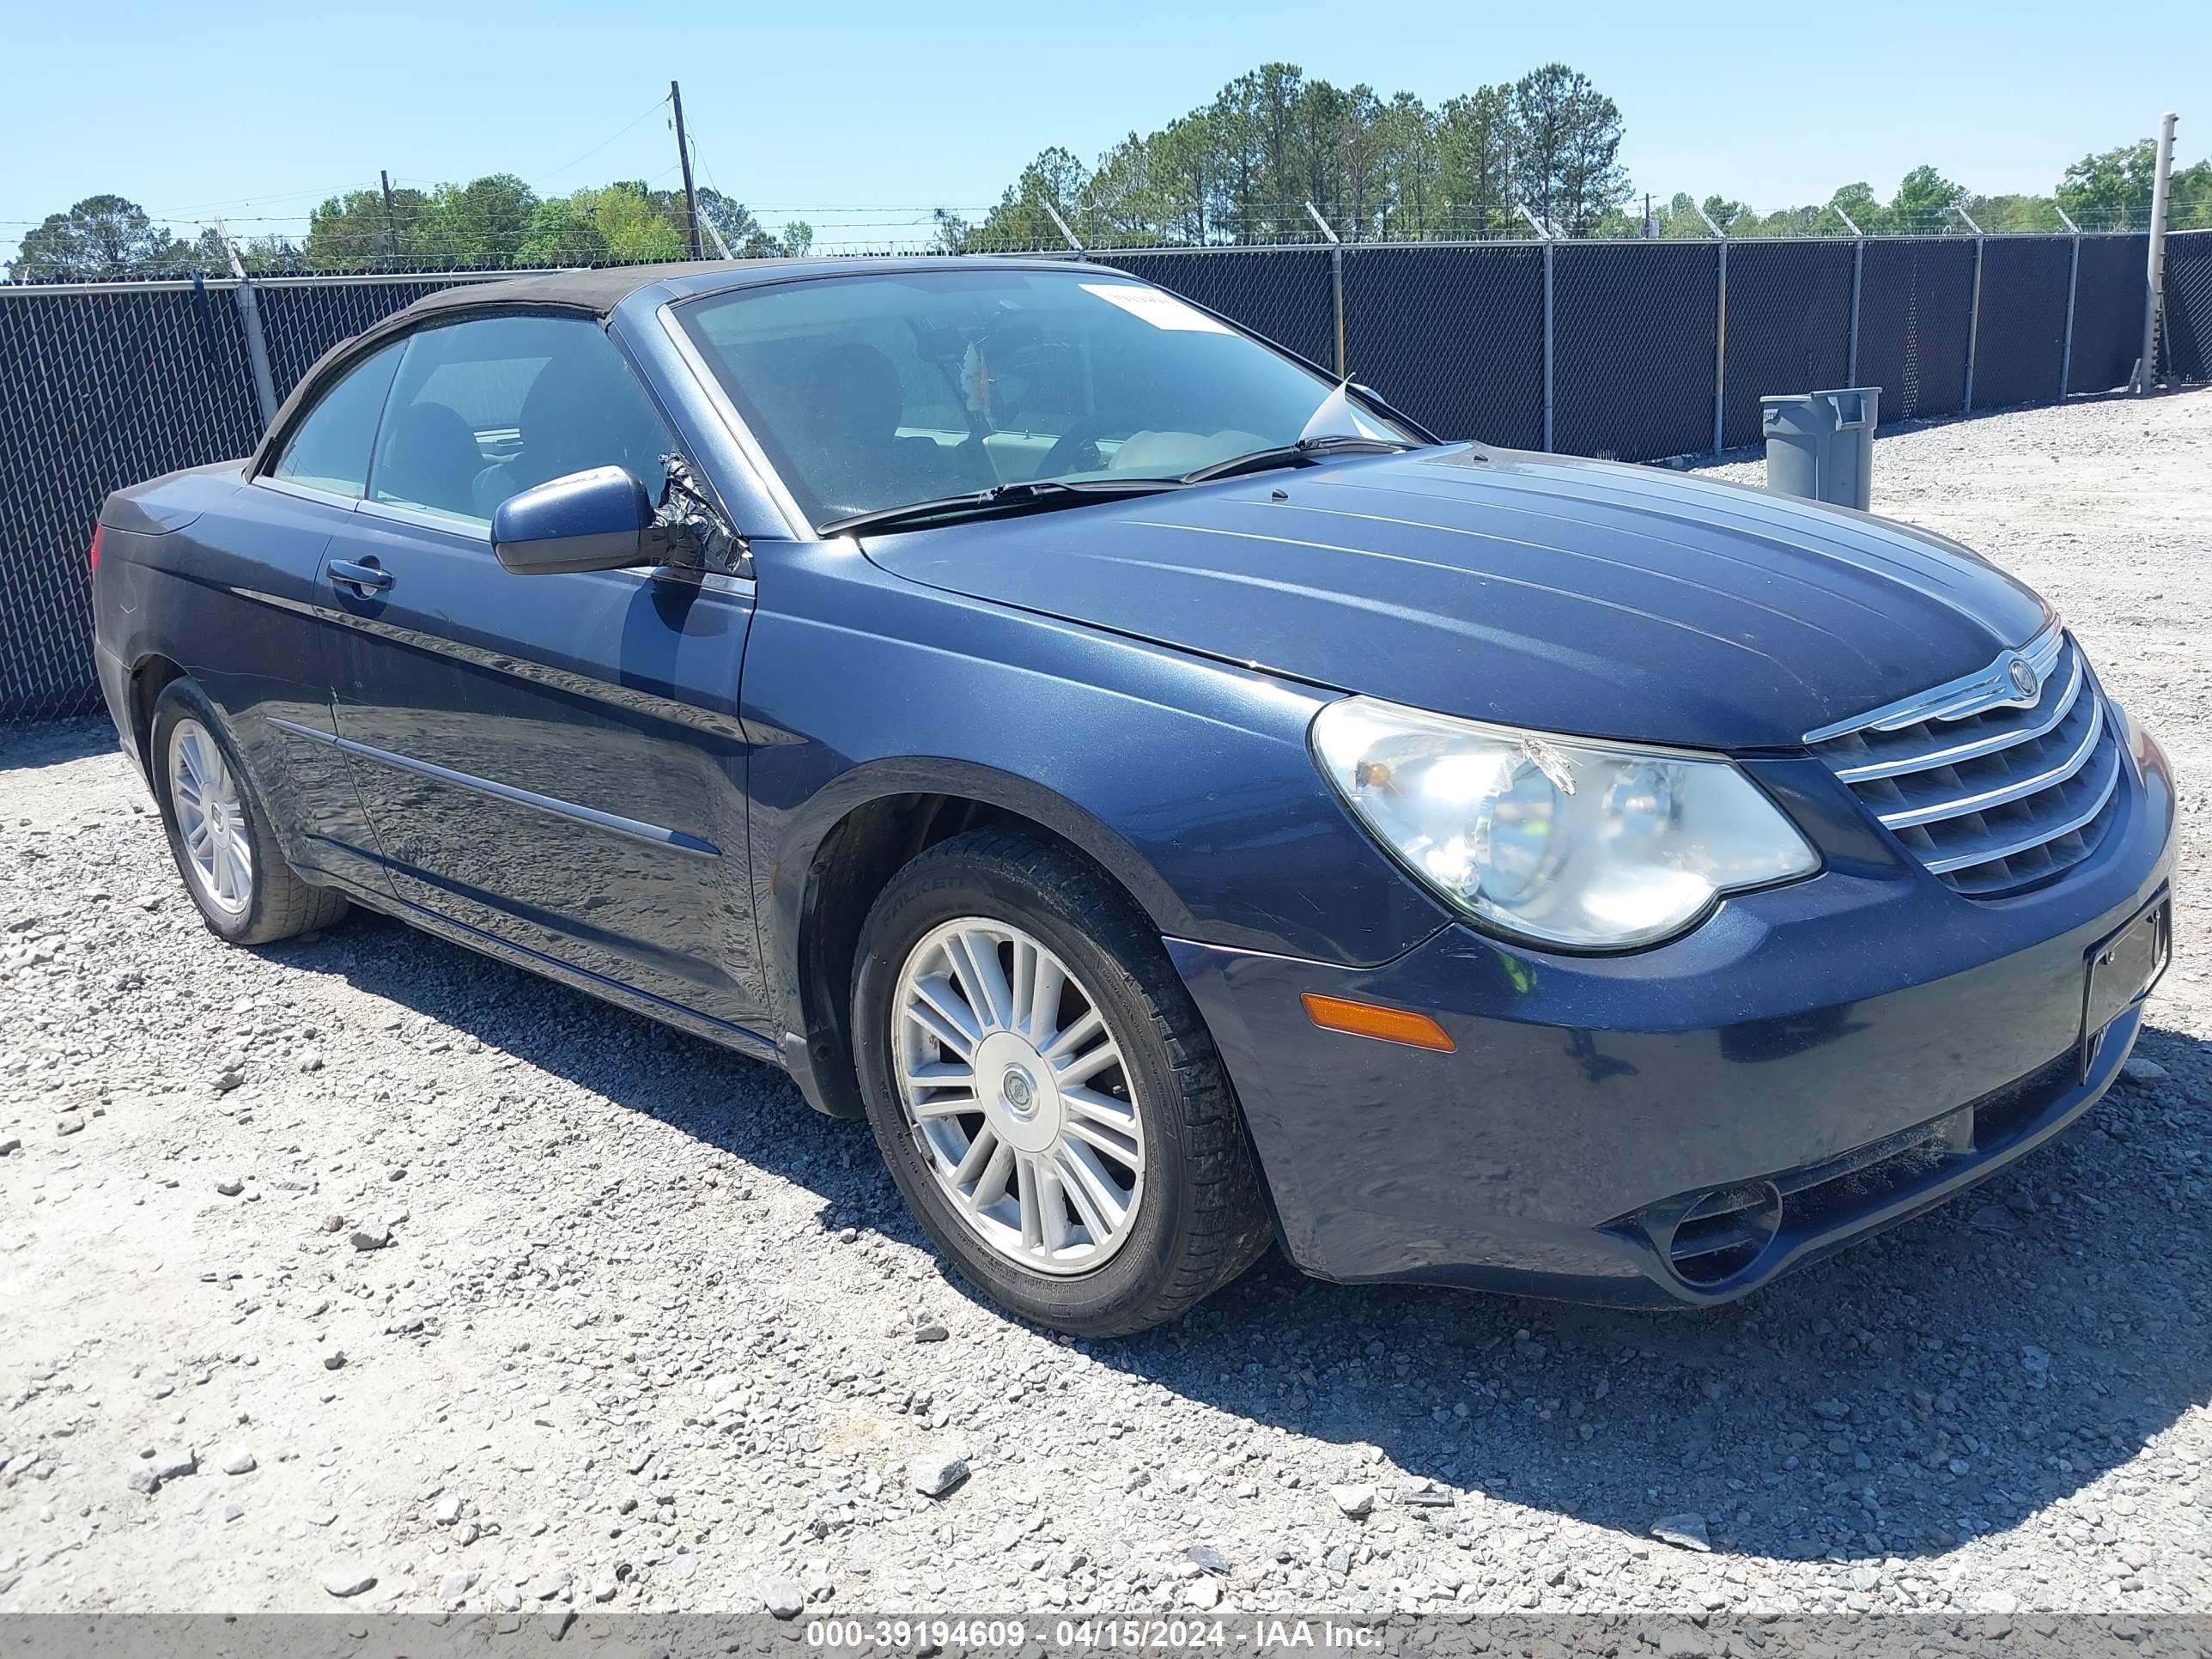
(1581, 597)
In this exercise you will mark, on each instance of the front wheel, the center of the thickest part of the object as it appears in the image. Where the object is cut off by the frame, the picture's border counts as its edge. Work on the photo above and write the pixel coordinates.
(1044, 1092)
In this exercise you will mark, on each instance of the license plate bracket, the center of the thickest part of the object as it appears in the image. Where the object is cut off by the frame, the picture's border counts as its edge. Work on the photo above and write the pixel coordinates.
(2122, 968)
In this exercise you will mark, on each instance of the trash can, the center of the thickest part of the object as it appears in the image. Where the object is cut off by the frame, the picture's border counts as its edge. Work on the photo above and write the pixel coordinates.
(1819, 445)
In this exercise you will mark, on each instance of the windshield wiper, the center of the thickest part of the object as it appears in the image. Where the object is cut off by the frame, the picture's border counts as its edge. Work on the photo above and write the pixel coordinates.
(1303, 452)
(1039, 493)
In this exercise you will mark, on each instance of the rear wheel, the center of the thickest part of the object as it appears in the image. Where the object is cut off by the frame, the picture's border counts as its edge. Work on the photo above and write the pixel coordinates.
(1044, 1092)
(219, 833)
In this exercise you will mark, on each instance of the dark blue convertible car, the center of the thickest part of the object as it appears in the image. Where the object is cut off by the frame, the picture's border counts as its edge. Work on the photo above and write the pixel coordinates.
(1177, 801)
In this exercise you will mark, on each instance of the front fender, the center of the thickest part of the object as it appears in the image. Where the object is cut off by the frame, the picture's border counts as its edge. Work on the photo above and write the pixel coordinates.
(1188, 779)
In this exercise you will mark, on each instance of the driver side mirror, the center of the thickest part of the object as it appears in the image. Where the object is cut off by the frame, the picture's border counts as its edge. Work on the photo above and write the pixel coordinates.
(601, 519)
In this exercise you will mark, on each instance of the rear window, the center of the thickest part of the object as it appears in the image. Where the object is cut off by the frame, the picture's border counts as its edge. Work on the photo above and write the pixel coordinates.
(329, 449)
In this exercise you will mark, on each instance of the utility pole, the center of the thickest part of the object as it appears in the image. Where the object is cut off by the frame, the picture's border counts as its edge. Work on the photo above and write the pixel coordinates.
(2154, 299)
(684, 150)
(391, 218)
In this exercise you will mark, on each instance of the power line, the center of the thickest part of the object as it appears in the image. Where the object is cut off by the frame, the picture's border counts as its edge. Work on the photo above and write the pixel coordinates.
(601, 145)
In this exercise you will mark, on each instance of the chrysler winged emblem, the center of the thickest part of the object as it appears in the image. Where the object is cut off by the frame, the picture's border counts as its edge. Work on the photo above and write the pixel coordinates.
(2021, 674)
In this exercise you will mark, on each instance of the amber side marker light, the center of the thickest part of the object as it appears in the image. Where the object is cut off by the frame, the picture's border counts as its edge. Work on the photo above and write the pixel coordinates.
(1367, 1019)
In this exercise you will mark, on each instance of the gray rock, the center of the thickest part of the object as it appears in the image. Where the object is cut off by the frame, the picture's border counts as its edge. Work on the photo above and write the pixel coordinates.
(1994, 1219)
(237, 1460)
(1354, 1501)
(343, 1581)
(10, 1143)
(1686, 1531)
(2142, 1071)
(371, 1236)
(1685, 1643)
(638, 1459)
(547, 1585)
(454, 1587)
(1835, 1410)
(931, 1331)
(175, 1464)
(334, 1360)
(332, 1224)
(142, 1479)
(935, 1474)
(1206, 1559)
(68, 1123)
(783, 1597)
(230, 1186)
(604, 1587)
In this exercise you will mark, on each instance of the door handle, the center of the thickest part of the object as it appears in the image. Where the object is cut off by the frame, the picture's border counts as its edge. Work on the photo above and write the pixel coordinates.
(364, 578)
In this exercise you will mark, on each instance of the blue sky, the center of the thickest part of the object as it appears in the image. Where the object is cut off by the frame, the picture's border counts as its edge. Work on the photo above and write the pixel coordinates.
(254, 113)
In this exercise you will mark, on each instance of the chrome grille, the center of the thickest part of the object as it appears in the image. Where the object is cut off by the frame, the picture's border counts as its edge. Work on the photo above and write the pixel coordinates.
(1994, 791)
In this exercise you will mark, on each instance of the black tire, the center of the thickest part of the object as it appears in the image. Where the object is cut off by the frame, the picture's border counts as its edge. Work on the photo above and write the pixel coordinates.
(278, 905)
(1201, 1218)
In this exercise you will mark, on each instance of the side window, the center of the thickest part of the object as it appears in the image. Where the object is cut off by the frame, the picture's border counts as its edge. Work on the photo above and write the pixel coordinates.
(329, 450)
(482, 411)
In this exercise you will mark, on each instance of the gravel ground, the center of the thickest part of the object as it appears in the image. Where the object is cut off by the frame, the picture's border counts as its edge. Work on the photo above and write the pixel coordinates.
(637, 1329)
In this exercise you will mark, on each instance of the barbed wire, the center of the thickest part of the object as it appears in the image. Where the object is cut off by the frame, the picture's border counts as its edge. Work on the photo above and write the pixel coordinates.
(293, 244)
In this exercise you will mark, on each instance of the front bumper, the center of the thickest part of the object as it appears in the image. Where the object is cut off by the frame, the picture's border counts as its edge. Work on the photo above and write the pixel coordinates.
(1859, 1046)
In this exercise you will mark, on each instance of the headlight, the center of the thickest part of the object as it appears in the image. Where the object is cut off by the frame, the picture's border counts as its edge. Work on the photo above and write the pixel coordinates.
(1590, 845)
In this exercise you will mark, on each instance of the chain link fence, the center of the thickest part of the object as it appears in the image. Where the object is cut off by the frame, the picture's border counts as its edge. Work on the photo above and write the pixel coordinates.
(1638, 350)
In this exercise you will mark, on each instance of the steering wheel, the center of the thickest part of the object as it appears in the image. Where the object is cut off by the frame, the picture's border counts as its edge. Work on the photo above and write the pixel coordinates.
(1077, 448)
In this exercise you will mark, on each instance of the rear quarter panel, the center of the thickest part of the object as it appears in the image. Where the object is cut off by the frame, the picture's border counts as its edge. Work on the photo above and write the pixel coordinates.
(219, 577)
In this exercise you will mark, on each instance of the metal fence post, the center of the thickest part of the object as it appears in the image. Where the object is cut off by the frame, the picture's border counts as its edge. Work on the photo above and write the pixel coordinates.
(2154, 292)
(1858, 282)
(1336, 286)
(2073, 281)
(1720, 336)
(1060, 225)
(249, 323)
(1974, 317)
(1550, 244)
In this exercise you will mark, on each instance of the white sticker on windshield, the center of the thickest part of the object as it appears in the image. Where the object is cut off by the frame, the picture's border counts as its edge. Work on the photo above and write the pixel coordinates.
(1160, 310)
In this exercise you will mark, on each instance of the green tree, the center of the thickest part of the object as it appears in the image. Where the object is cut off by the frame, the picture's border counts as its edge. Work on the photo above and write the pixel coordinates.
(564, 231)
(1566, 137)
(101, 238)
(2111, 190)
(358, 232)
(1924, 202)
(1475, 135)
(638, 228)
(468, 227)
(1412, 163)
(1019, 223)
(739, 227)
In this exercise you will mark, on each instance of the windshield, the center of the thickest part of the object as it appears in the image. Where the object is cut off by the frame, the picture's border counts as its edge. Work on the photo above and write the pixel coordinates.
(875, 391)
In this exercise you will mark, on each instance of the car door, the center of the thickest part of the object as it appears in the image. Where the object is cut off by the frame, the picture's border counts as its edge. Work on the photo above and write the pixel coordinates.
(269, 666)
(555, 760)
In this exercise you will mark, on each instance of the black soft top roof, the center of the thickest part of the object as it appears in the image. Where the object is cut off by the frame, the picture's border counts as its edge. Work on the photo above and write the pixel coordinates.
(597, 293)
(600, 291)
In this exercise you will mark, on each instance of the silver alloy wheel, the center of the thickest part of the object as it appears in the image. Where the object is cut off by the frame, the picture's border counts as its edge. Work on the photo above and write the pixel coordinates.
(1018, 1095)
(210, 819)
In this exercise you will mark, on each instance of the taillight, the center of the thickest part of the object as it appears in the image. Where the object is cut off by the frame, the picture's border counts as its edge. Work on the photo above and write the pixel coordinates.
(92, 559)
